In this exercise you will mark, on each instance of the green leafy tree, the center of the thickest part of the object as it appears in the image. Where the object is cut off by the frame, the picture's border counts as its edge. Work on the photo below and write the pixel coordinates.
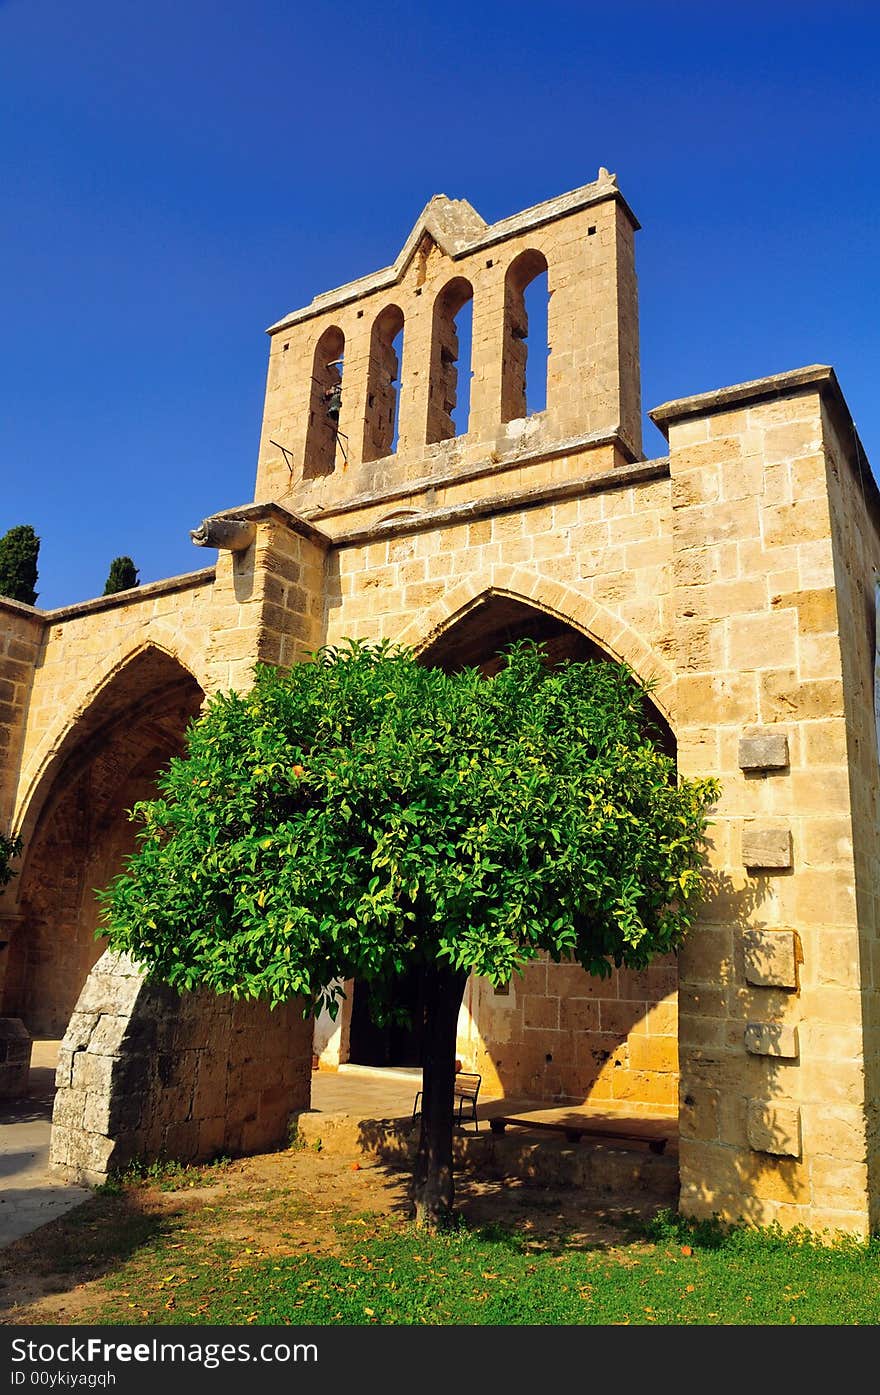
(123, 576)
(19, 549)
(363, 816)
(9, 848)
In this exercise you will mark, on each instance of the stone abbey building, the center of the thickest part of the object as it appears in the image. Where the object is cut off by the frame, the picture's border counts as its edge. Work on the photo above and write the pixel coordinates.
(737, 572)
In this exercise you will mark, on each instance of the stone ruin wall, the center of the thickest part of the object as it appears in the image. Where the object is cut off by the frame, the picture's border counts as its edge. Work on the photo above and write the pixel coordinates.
(144, 1073)
(773, 1118)
(855, 519)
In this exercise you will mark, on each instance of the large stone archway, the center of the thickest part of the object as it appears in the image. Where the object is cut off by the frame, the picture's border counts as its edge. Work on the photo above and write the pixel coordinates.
(79, 833)
(556, 1035)
(143, 1072)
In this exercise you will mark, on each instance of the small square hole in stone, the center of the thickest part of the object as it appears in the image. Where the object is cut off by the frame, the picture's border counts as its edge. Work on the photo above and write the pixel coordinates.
(590, 231)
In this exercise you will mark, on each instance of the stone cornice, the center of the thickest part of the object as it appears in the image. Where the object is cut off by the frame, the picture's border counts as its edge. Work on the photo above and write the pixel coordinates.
(269, 509)
(136, 594)
(487, 507)
(817, 377)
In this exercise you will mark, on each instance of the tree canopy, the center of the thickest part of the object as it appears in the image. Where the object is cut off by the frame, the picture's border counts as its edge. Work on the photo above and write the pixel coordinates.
(363, 815)
(19, 549)
(9, 848)
(123, 576)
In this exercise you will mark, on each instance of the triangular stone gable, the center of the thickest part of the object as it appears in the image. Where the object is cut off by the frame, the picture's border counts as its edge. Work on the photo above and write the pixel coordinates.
(456, 227)
(450, 223)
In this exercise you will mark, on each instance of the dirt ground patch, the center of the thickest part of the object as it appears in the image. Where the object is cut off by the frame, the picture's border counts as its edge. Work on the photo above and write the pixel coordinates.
(274, 1204)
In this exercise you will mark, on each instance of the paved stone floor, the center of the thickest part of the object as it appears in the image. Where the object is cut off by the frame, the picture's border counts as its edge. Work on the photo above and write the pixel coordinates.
(29, 1194)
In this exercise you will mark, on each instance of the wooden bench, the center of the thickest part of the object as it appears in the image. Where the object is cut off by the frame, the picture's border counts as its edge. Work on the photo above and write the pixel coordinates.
(465, 1089)
(574, 1131)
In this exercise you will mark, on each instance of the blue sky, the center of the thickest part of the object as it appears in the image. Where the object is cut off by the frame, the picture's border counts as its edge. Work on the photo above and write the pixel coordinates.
(176, 176)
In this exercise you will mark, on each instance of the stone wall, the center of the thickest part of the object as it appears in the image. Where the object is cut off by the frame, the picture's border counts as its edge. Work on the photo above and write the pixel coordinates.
(82, 649)
(145, 1074)
(561, 1035)
(854, 969)
(15, 1058)
(20, 638)
(770, 1037)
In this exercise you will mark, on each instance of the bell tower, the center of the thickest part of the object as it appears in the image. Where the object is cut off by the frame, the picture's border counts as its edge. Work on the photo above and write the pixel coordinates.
(365, 384)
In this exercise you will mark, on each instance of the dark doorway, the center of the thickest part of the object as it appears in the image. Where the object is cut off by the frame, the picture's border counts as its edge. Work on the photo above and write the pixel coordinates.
(394, 1044)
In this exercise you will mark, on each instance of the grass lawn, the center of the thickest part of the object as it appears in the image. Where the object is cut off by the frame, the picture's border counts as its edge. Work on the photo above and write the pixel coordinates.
(279, 1240)
(665, 1271)
(675, 1275)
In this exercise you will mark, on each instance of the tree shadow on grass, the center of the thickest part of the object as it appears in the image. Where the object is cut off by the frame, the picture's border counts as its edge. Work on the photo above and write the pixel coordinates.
(85, 1244)
(503, 1204)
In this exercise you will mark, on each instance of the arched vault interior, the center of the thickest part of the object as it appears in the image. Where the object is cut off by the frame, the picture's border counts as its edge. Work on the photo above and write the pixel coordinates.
(78, 832)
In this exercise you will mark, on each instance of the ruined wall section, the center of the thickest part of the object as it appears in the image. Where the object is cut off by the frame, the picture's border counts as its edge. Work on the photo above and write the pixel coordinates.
(84, 645)
(601, 560)
(21, 631)
(855, 520)
(145, 1074)
(267, 604)
(772, 1118)
(560, 1035)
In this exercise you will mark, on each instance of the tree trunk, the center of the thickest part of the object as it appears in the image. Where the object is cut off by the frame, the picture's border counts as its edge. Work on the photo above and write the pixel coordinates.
(433, 1189)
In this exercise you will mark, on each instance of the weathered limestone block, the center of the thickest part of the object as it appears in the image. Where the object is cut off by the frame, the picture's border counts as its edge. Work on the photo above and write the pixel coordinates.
(15, 1058)
(147, 1073)
(766, 845)
(774, 1128)
(96, 1113)
(107, 1033)
(771, 957)
(91, 1071)
(763, 751)
(770, 1039)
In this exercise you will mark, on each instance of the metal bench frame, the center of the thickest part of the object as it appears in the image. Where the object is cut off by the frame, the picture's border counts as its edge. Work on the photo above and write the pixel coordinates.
(465, 1090)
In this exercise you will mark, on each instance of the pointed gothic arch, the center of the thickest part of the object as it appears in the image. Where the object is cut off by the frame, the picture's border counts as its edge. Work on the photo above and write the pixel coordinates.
(76, 830)
(596, 622)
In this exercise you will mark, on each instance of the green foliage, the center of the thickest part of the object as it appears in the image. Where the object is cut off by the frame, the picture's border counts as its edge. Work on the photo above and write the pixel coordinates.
(19, 549)
(123, 576)
(9, 848)
(364, 814)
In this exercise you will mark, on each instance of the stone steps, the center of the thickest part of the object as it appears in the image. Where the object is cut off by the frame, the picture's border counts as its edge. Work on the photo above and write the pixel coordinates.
(601, 1171)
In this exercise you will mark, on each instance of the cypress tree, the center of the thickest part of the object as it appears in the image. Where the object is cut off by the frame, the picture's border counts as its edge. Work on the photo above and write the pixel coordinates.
(123, 576)
(18, 564)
